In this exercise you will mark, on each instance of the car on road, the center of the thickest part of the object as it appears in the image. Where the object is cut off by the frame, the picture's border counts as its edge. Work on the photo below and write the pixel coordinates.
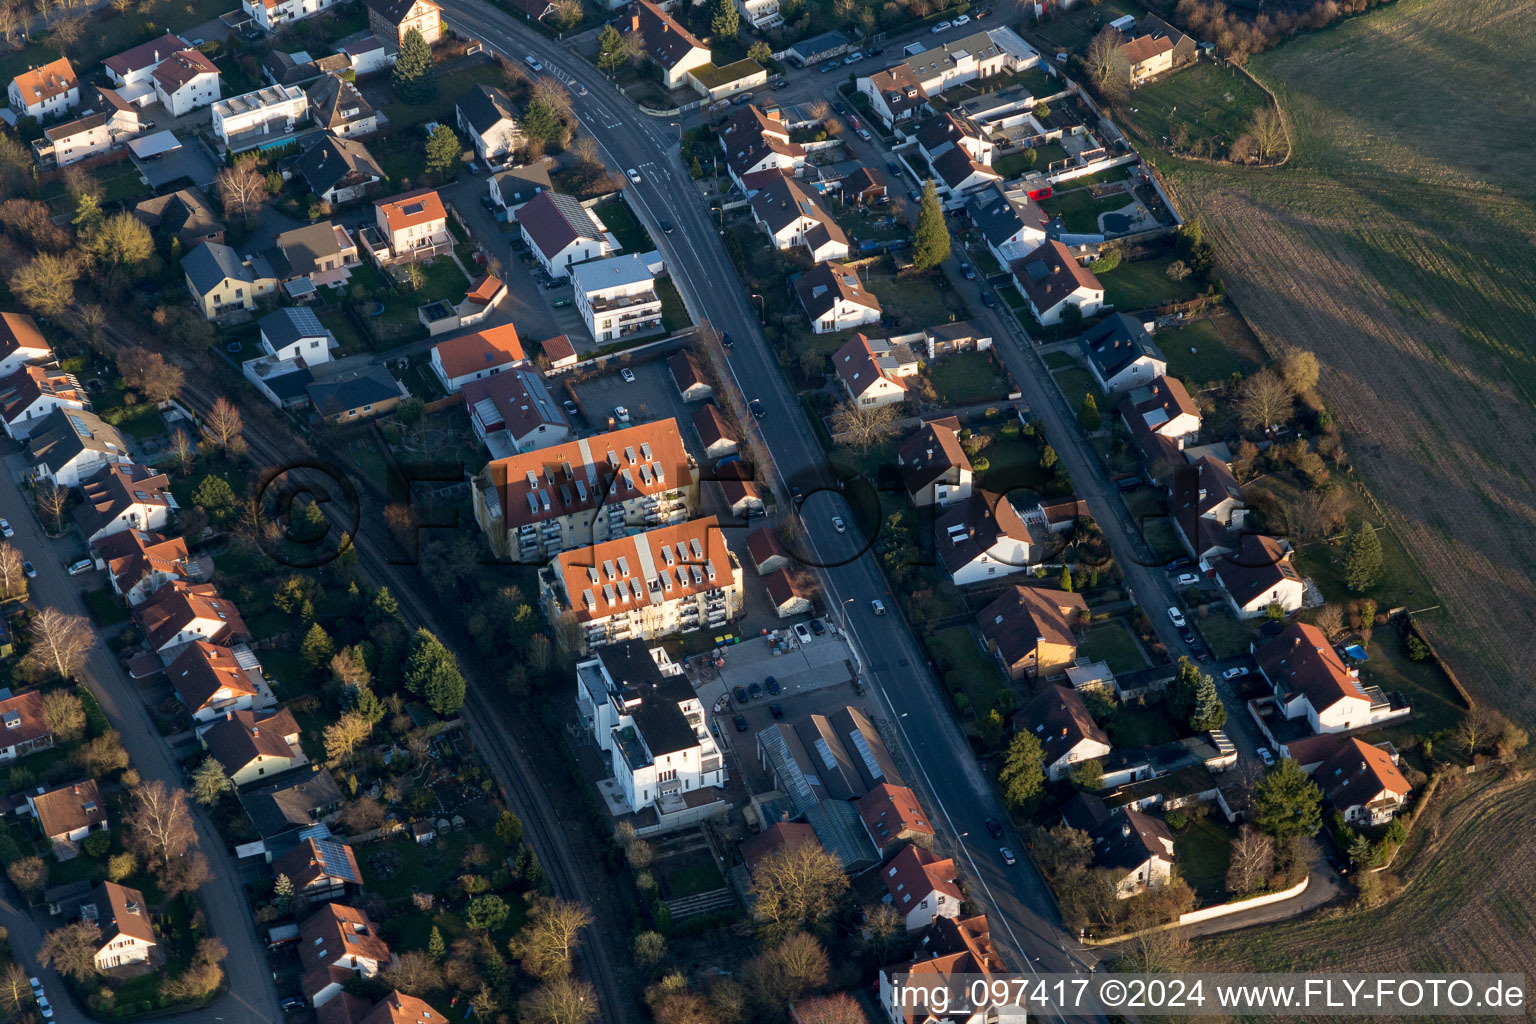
(877, 607)
(967, 271)
(1187, 579)
(474, 167)
(581, 90)
(1234, 673)
(488, 203)
(666, 227)
(858, 686)
(1188, 636)
(1266, 757)
(994, 828)
(295, 1004)
(853, 58)
(914, 194)
(830, 66)
(839, 525)
(942, 26)
(627, 375)
(741, 98)
(775, 710)
(725, 339)
(964, 19)
(634, 176)
(755, 691)
(756, 405)
(30, 570)
(5, 528)
(83, 565)
(989, 300)
(772, 686)
(818, 627)
(550, 284)
(1179, 565)
(1176, 617)
(777, 84)
(854, 122)
(803, 633)
(864, 134)
(877, 51)
(621, 414)
(533, 62)
(740, 693)
(1008, 856)
(740, 722)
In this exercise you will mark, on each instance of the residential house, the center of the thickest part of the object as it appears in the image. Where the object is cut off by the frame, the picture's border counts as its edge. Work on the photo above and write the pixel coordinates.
(894, 94)
(514, 412)
(393, 20)
(1051, 279)
(398, 1008)
(1155, 48)
(513, 187)
(184, 215)
(21, 343)
(139, 563)
(414, 225)
(1134, 845)
(1120, 353)
(766, 550)
(785, 595)
(1058, 717)
(274, 15)
(336, 944)
(688, 375)
(921, 887)
(313, 255)
(957, 336)
(757, 146)
(827, 759)
(984, 538)
(1165, 408)
(299, 68)
(834, 299)
(617, 296)
(968, 58)
(31, 393)
(761, 14)
(213, 681)
(587, 491)
(1012, 224)
(320, 869)
(251, 746)
(126, 934)
(892, 816)
(25, 726)
(221, 281)
(873, 371)
(643, 714)
(561, 231)
(794, 216)
(1207, 509)
(356, 394)
(366, 53)
(1030, 630)
(865, 186)
(715, 432)
(959, 156)
(338, 107)
(253, 118)
(953, 947)
(69, 813)
(1311, 681)
(672, 48)
(131, 70)
(1363, 783)
(471, 357)
(185, 81)
(179, 613)
(665, 581)
(560, 352)
(773, 841)
(934, 468)
(338, 170)
(487, 116)
(47, 92)
(294, 332)
(284, 808)
(107, 121)
(1258, 576)
(739, 489)
(283, 382)
(70, 445)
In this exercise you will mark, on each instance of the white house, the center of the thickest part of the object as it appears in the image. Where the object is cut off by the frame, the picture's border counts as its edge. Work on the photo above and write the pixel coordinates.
(874, 372)
(47, 92)
(23, 726)
(1012, 223)
(336, 944)
(1363, 783)
(983, 539)
(139, 563)
(1121, 355)
(514, 412)
(487, 116)
(471, 357)
(1165, 408)
(294, 332)
(978, 55)
(794, 216)
(251, 118)
(643, 714)
(934, 468)
(513, 187)
(894, 94)
(672, 48)
(339, 108)
(921, 887)
(273, 15)
(561, 231)
(1259, 575)
(180, 613)
(69, 813)
(122, 497)
(1051, 280)
(761, 14)
(416, 222)
(31, 393)
(20, 343)
(185, 81)
(130, 70)
(617, 296)
(72, 444)
(107, 122)
(1311, 681)
(1134, 846)
(1059, 719)
(211, 680)
(834, 299)
(755, 141)
(127, 936)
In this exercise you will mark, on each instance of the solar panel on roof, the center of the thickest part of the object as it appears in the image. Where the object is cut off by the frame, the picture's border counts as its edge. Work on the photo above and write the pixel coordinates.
(80, 427)
(333, 857)
(862, 746)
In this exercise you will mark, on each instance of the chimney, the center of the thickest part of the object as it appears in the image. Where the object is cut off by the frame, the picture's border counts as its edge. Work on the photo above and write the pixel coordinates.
(1063, 731)
(634, 22)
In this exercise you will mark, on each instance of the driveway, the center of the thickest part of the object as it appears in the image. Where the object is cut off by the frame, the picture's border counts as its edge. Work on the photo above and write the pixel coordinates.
(252, 999)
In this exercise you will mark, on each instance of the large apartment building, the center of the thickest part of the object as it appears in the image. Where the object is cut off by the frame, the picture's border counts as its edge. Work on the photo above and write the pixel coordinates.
(537, 504)
(642, 712)
(670, 580)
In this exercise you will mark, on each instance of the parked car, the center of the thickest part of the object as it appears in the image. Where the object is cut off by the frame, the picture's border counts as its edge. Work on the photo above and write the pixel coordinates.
(1008, 856)
(295, 1004)
(1179, 564)
(740, 722)
(854, 122)
(627, 375)
(1187, 636)
(877, 51)
(755, 691)
(561, 303)
(533, 62)
(994, 828)
(570, 407)
(839, 525)
(634, 176)
(864, 134)
(829, 66)
(1234, 673)
(858, 686)
(772, 686)
(853, 58)
(1266, 757)
(550, 284)
(877, 607)
(30, 570)
(5, 528)
(740, 693)
(474, 167)
(989, 300)
(968, 272)
(83, 565)
(621, 414)
(725, 339)
(942, 26)
(741, 98)
(1176, 617)
(756, 405)
(1187, 579)
(803, 633)
(666, 227)
(964, 19)
(775, 710)
(818, 627)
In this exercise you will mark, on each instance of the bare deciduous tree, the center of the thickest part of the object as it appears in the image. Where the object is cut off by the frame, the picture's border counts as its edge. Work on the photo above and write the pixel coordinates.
(60, 641)
(47, 283)
(13, 578)
(52, 500)
(414, 973)
(1268, 131)
(840, 1008)
(184, 874)
(184, 451)
(1266, 400)
(71, 950)
(1107, 64)
(1253, 857)
(560, 1001)
(224, 425)
(242, 187)
(16, 987)
(863, 426)
(149, 374)
(345, 735)
(554, 95)
(160, 826)
(790, 969)
(586, 150)
(797, 887)
(65, 714)
(548, 942)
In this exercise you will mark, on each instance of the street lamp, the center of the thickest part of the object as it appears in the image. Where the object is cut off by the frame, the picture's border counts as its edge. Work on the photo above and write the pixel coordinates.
(762, 309)
(845, 613)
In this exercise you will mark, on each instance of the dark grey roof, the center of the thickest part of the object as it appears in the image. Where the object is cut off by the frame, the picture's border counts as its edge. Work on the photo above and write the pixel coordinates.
(210, 264)
(336, 395)
(841, 833)
(660, 721)
(326, 164)
(290, 324)
(1117, 342)
(517, 185)
(65, 433)
(1127, 839)
(302, 248)
(485, 106)
(998, 216)
(289, 386)
(278, 809)
(336, 101)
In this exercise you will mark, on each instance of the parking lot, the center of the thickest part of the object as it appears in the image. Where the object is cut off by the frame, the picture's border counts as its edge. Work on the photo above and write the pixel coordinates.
(651, 396)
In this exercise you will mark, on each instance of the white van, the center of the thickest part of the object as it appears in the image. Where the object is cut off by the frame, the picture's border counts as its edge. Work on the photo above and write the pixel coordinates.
(84, 565)
(876, 607)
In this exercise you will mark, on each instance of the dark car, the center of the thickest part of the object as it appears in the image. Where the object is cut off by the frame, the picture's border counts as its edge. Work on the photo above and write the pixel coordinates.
(740, 694)
(1180, 563)
(555, 282)
(1188, 637)
(755, 690)
(818, 627)
(295, 1004)
(666, 227)
(994, 828)
(756, 406)
(725, 339)
(741, 723)
(830, 66)
(877, 51)
(772, 686)
(989, 300)
(858, 687)
(969, 271)
(775, 710)
(893, 167)
(1008, 856)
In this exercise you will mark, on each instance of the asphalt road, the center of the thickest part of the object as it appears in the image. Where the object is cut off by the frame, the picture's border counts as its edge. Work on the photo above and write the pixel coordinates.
(252, 997)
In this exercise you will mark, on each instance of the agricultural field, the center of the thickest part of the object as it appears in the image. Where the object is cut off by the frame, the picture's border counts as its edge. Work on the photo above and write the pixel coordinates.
(1402, 257)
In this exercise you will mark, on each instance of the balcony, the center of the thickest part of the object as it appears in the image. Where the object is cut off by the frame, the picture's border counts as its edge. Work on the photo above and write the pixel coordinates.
(600, 305)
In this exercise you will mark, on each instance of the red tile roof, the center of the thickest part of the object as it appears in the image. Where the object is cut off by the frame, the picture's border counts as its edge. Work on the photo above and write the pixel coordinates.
(241, 737)
(611, 577)
(30, 724)
(177, 605)
(69, 808)
(145, 54)
(1302, 661)
(180, 68)
(202, 670)
(763, 543)
(782, 835)
(1359, 774)
(914, 874)
(558, 349)
(19, 331)
(1051, 273)
(44, 83)
(890, 811)
(133, 555)
(411, 209)
(336, 931)
(483, 350)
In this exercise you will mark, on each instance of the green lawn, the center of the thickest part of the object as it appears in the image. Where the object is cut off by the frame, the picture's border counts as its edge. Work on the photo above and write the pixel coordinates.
(1202, 852)
(1199, 106)
(421, 382)
(967, 378)
(1143, 285)
(912, 302)
(1199, 356)
(350, 340)
(1016, 165)
(1075, 382)
(1401, 583)
(1014, 464)
(1072, 27)
(1140, 728)
(119, 182)
(106, 608)
(978, 674)
(1059, 361)
(674, 314)
(108, 32)
(1079, 210)
(1113, 644)
(688, 875)
(1227, 635)
(424, 868)
(1435, 704)
(626, 227)
(450, 88)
